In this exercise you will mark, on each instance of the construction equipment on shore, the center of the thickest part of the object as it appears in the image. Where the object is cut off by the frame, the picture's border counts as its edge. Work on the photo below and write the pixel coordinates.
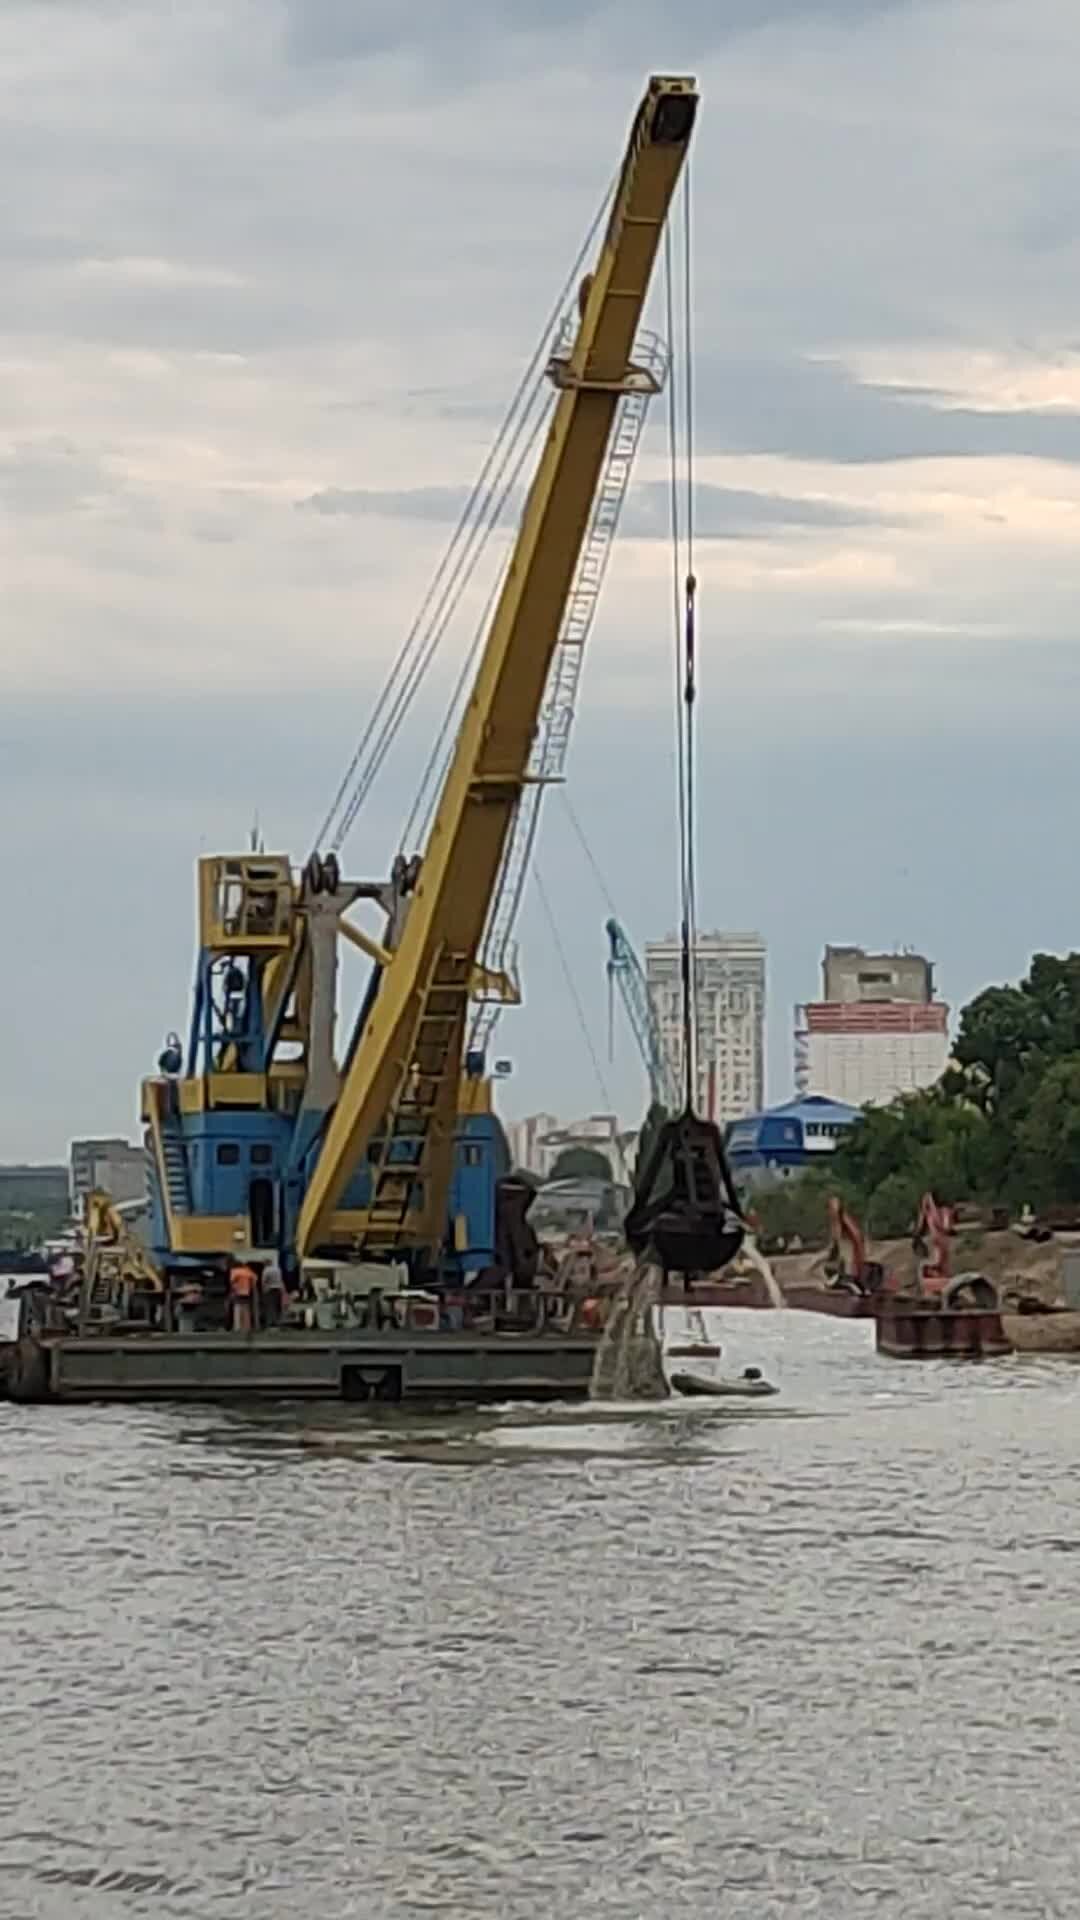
(935, 1315)
(847, 1266)
(261, 1142)
(930, 1245)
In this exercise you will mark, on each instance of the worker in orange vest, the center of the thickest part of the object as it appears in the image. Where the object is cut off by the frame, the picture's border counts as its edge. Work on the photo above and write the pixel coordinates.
(242, 1285)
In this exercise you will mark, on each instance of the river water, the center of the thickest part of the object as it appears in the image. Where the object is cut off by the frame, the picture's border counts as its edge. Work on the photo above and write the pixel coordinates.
(819, 1656)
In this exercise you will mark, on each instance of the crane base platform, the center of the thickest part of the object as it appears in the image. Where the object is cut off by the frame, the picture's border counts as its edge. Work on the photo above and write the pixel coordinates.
(384, 1366)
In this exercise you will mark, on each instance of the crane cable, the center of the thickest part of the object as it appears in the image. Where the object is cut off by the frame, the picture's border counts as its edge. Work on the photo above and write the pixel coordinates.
(451, 577)
(442, 750)
(424, 644)
(357, 777)
(684, 609)
(586, 849)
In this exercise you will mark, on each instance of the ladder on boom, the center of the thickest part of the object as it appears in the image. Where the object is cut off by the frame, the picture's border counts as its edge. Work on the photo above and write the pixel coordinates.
(402, 1152)
(548, 758)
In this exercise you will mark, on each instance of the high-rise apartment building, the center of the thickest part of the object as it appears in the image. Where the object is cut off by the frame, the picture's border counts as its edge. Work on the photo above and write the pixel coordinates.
(729, 971)
(878, 1032)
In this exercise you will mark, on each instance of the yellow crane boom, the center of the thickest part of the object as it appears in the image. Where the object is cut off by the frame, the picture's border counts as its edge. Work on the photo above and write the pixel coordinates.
(399, 1099)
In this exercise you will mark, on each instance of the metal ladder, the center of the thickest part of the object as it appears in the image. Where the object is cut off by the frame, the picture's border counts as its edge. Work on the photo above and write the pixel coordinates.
(404, 1143)
(557, 712)
(175, 1161)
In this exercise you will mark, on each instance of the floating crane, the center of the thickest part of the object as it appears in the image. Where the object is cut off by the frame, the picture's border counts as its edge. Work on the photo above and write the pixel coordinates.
(260, 1140)
(626, 972)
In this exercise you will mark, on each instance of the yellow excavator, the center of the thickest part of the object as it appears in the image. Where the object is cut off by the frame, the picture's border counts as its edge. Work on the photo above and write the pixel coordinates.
(118, 1274)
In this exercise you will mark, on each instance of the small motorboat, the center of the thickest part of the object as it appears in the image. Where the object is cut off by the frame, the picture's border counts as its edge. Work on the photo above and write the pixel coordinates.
(694, 1350)
(748, 1385)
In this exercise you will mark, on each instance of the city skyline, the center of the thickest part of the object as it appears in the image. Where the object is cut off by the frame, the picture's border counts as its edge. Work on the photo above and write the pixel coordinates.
(860, 1051)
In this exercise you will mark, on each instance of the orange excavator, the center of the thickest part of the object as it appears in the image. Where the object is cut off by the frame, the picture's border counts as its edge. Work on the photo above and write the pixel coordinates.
(846, 1263)
(934, 1229)
(935, 1279)
(933, 1285)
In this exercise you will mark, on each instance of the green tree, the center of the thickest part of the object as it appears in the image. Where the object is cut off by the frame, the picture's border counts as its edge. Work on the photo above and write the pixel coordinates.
(581, 1163)
(1002, 1032)
(893, 1207)
(1047, 1162)
(1008, 1035)
(934, 1141)
(795, 1208)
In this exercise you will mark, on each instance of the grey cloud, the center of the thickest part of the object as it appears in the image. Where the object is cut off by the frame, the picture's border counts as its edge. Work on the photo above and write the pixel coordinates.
(723, 513)
(51, 477)
(739, 513)
(818, 410)
(214, 529)
(404, 503)
(479, 30)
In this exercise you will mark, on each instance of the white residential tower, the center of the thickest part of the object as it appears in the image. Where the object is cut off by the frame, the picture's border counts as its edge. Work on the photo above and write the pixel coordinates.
(730, 993)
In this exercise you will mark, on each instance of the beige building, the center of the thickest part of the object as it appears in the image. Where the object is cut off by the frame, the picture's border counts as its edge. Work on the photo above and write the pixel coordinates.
(877, 1033)
(850, 976)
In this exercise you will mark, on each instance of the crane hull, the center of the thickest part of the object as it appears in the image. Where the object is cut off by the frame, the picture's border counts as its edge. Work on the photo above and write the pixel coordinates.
(405, 1365)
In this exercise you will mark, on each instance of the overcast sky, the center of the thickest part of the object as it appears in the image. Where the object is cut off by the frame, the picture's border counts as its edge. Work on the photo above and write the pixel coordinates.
(271, 272)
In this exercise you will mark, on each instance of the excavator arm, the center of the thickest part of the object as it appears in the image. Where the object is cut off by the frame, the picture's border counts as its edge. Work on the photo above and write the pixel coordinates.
(398, 1101)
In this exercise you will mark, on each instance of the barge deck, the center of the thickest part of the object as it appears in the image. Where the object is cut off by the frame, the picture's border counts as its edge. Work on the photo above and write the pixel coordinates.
(388, 1365)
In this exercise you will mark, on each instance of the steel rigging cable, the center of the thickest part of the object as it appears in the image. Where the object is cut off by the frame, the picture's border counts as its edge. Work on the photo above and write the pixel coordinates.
(684, 597)
(480, 514)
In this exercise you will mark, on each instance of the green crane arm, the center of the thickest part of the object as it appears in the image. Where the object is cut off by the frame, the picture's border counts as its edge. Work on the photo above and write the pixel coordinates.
(399, 1099)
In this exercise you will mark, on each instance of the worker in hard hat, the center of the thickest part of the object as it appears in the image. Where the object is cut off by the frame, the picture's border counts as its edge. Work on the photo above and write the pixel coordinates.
(242, 1284)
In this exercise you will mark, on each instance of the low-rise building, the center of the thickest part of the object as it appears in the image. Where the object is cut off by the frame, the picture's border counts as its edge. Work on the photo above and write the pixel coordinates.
(33, 1188)
(787, 1139)
(537, 1142)
(113, 1165)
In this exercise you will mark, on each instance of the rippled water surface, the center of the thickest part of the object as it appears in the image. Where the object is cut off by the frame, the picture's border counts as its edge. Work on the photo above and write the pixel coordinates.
(819, 1657)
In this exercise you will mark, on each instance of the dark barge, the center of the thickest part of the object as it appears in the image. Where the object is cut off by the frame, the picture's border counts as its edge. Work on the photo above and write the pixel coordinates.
(515, 1354)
